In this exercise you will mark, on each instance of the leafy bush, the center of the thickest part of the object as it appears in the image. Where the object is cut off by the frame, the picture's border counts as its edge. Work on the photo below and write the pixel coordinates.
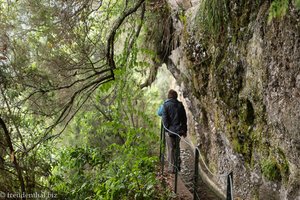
(121, 172)
(278, 9)
(115, 155)
(271, 169)
(276, 168)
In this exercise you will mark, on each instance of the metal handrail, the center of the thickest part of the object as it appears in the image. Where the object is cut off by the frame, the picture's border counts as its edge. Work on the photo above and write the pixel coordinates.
(229, 195)
(228, 175)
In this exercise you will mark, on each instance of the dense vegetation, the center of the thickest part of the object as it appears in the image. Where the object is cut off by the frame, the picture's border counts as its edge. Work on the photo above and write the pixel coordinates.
(77, 120)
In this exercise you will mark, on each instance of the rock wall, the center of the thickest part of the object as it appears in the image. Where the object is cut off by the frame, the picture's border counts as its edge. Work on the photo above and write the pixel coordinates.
(242, 89)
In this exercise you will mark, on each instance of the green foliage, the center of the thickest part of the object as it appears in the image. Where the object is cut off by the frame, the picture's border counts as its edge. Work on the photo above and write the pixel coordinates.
(130, 175)
(214, 17)
(278, 9)
(72, 134)
(297, 3)
(125, 171)
(116, 139)
(276, 168)
(74, 170)
(271, 169)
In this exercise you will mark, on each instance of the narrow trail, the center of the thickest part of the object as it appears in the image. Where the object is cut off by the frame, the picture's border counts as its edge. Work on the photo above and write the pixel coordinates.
(185, 184)
(183, 192)
(187, 174)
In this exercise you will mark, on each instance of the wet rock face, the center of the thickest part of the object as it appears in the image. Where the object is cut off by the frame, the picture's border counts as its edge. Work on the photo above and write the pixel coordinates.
(282, 90)
(243, 96)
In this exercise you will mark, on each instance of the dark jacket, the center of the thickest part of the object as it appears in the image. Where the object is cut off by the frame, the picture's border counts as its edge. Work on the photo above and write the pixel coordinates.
(174, 116)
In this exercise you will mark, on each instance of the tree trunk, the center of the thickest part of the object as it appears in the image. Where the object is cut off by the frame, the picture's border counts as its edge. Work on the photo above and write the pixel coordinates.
(13, 157)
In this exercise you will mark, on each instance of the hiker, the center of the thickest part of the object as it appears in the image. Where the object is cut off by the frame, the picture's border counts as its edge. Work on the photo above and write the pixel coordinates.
(174, 120)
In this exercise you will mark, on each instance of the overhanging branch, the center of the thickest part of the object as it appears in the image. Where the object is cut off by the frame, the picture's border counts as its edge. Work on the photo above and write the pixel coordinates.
(116, 26)
(88, 88)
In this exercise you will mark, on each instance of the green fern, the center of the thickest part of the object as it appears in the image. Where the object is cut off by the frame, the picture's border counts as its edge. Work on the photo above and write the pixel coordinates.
(215, 16)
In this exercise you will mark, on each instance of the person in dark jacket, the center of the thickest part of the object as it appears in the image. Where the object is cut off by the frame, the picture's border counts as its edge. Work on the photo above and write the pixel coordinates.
(174, 121)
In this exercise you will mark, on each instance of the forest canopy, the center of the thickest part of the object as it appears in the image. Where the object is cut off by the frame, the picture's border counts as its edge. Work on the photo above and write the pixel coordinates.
(76, 117)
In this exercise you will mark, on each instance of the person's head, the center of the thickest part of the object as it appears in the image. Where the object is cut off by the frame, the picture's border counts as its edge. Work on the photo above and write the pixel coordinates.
(172, 94)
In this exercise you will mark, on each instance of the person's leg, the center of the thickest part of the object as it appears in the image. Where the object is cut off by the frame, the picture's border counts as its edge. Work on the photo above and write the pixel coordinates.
(177, 152)
(171, 152)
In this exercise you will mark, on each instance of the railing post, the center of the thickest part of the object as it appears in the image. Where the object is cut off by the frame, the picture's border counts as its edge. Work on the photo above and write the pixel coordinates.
(177, 154)
(196, 173)
(229, 186)
(162, 147)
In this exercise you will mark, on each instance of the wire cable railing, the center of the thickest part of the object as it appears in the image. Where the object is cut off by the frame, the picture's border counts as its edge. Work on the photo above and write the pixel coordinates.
(229, 194)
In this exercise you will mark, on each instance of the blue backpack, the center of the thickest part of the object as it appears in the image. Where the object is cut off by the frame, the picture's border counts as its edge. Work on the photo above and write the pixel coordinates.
(160, 110)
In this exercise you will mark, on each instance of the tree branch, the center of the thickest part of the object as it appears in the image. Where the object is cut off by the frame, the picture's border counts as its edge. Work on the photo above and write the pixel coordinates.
(13, 156)
(152, 75)
(138, 31)
(111, 36)
(64, 86)
(67, 108)
(10, 112)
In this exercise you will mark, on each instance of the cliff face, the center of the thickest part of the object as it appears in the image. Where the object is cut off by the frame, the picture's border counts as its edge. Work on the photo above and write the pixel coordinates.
(242, 89)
